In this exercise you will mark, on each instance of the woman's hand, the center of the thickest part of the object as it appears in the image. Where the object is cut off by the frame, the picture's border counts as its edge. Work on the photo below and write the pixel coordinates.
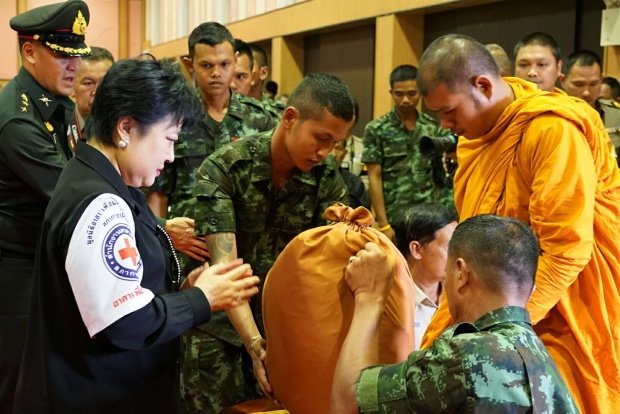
(225, 285)
(181, 232)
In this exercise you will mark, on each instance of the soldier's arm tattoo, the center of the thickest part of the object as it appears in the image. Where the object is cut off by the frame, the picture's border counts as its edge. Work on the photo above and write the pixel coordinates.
(222, 247)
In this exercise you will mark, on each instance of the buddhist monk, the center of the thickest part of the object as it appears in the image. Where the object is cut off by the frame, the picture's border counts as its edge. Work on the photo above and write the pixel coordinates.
(543, 158)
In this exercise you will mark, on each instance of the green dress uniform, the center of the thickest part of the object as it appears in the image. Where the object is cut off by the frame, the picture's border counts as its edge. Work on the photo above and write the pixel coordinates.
(37, 137)
(234, 193)
(495, 365)
(408, 178)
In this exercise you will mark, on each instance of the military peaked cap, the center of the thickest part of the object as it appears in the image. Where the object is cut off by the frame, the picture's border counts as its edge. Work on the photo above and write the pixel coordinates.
(60, 27)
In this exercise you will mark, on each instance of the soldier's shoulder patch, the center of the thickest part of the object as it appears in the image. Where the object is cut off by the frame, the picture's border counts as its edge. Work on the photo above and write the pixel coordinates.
(616, 104)
(24, 103)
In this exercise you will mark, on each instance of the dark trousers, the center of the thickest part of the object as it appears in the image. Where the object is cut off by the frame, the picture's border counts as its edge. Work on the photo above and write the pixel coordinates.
(15, 287)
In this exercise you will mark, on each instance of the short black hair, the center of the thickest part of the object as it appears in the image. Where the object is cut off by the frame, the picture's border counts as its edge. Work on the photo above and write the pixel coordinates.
(614, 86)
(98, 54)
(403, 73)
(260, 56)
(421, 222)
(503, 251)
(319, 91)
(146, 90)
(210, 34)
(243, 48)
(272, 87)
(583, 58)
(541, 39)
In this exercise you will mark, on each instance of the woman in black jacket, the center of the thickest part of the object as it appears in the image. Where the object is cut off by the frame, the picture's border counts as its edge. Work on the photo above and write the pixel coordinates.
(105, 308)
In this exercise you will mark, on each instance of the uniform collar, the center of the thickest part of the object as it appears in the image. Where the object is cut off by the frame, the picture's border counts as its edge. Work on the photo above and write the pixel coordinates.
(44, 101)
(395, 119)
(510, 314)
(262, 168)
(235, 108)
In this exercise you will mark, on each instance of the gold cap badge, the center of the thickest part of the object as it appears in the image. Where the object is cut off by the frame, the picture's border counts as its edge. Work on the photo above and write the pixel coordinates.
(79, 25)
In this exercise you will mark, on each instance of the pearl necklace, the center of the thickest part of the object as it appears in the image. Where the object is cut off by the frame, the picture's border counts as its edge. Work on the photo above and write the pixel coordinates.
(174, 255)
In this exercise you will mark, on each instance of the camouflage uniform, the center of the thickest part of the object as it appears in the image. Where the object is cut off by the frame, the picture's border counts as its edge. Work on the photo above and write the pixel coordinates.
(245, 117)
(408, 178)
(234, 193)
(274, 106)
(495, 365)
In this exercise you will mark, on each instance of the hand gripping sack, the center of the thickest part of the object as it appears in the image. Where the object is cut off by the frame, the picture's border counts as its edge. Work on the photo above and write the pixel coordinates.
(308, 308)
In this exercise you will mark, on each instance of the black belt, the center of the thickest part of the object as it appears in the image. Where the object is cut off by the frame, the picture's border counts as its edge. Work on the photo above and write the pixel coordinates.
(15, 255)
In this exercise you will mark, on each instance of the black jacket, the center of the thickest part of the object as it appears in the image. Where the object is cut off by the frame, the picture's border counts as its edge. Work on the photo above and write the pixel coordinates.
(130, 366)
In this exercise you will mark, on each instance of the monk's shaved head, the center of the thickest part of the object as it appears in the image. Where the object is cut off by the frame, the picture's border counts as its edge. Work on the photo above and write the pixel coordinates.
(455, 60)
(501, 58)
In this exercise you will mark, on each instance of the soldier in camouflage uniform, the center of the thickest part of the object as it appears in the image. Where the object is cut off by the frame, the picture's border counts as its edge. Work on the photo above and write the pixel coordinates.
(253, 197)
(490, 362)
(228, 117)
(398, 175)
(244, 79)
(260, 72)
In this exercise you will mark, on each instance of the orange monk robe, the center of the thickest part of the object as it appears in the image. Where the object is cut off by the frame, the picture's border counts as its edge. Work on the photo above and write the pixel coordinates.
(547, 162)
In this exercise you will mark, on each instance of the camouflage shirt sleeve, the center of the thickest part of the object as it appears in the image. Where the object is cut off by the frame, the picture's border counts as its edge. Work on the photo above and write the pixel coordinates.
(214, 211)
(373, 149)
(496, 365)
(430, 380)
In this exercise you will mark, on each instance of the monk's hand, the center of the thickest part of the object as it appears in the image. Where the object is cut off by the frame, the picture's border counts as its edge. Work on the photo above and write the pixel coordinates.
(369, 273)
(257, 348)
(181, 232)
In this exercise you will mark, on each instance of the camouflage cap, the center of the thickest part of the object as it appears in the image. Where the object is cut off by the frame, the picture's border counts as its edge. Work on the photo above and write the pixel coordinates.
(59, 27)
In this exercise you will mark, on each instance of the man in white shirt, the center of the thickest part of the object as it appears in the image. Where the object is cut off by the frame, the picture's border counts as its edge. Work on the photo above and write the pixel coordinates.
(422, 236)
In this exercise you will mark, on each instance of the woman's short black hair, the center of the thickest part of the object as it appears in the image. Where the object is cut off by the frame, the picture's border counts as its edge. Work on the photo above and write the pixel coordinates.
(146, 90)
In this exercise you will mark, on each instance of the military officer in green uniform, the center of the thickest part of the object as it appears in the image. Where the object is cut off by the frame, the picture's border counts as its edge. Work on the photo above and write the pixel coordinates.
(491, 361)
(253, 197)
(397, 173)
(584, 79)
(37, 138)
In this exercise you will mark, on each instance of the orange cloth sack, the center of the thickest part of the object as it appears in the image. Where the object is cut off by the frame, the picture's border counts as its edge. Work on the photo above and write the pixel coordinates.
(308, 307)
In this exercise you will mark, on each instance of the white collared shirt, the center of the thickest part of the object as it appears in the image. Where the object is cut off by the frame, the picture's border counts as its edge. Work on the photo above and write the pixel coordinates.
(424, 311)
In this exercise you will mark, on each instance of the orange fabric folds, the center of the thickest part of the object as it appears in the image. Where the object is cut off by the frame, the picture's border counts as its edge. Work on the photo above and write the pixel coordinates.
(308, 307)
